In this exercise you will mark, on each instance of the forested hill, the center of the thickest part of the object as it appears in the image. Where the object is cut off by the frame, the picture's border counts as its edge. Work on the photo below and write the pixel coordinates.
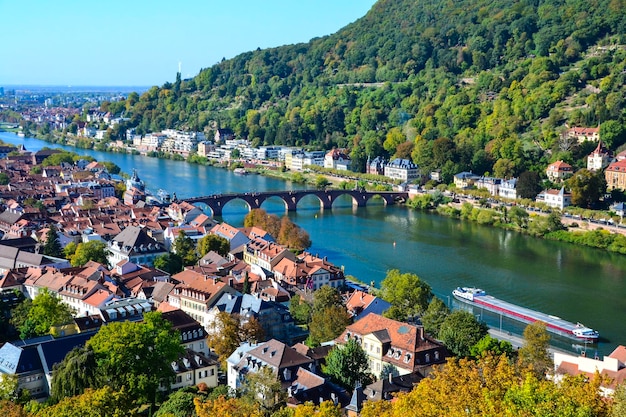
(457, 85)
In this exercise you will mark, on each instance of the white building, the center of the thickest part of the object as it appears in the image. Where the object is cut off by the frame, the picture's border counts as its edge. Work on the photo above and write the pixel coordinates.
(402, 169)
(555, 198)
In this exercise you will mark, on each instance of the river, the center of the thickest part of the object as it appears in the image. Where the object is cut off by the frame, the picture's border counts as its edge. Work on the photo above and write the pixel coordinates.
(575, 283)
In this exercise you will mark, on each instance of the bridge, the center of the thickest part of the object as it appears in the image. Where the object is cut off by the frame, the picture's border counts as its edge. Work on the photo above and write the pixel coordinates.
(291, 198)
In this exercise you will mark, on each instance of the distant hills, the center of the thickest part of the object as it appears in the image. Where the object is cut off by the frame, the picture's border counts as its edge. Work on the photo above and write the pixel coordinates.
(455, 85)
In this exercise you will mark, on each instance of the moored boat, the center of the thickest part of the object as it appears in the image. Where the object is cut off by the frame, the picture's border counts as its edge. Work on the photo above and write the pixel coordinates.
(556, 325)
(240, 171)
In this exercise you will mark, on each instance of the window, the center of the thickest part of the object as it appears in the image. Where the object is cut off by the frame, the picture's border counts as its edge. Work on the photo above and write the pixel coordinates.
(211, 372)
(436, 355)
(201, 345)
(189, 376)
(179, 379)
(377, 349)
(427, 357)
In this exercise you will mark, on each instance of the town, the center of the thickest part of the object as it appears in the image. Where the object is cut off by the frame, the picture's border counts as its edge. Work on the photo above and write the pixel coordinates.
(106, 249)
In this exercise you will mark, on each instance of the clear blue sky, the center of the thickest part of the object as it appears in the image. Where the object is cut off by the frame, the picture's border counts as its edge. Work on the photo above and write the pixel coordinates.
(141, 42)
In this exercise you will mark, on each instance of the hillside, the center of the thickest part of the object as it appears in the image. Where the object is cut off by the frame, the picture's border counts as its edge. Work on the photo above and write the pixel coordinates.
(465, 85)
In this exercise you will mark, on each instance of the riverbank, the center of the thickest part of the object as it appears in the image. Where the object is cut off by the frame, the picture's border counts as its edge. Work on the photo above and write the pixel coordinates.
(550, 226)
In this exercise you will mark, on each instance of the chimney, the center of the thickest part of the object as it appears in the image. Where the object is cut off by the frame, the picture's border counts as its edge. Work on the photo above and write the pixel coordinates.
(421, 330)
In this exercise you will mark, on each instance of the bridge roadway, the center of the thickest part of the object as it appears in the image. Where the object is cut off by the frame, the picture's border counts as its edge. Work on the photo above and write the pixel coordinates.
(291, 198)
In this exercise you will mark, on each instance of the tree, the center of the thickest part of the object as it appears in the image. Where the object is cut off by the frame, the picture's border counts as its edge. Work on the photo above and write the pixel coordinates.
(528, 184)
(519, 216)
(534, 355)
(348, 364)
(407, 293)
(613, 133)
(228, 407)
(460, 331)
(169, 262)
(52, 247)
(321, 182)
(93, 250)
(9, 387)
(213, 243)
(326, 296)
(4, 178)
(179, 404)
(587, 187)
(261, 219)
(292, 235)
(619, 401)
(299, 309)
(185, 247)
(228, 331)
(76, 373)
(12, 409)
(327, 323)
(111, 167)
(434, 316)
(94, 403)
(490, 345)
(264, 388)
(37, 317)
(136, 356)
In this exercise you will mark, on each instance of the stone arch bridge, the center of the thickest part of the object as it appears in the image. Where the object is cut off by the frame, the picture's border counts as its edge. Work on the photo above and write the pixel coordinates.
(291, 198)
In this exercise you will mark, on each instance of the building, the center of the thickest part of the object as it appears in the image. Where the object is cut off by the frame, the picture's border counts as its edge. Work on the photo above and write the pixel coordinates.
(599, 158)
(404, 348)
(465, 179)
(337, 159)
(402, 169)
(508, 189)
(615, 175)
(134, 244)
(555, 198)
(612, 366)
(284, 361)
(559, 170)
(490, 184)
(583, 134)
(375, 166)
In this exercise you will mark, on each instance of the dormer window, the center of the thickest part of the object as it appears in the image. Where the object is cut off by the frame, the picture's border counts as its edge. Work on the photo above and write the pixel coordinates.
(398, 353)
(427, 357)
(407, 358)
(436, 355)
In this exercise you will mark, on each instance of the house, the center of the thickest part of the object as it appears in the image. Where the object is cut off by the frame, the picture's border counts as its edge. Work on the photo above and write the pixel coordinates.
(192, 334)
(284, 361)
(197, 294)
(337, 159)
(465, 179)
(559, 170)
(583, 134)
(555, 198)
(508, 189)
(265, 254)
(490, 184)
(274, 318)
(599, 158)
(235, 237)
(222, 135)
(612, 366)
(394, 346)
(32, 361)
(375, 166)
(134, 244)
(402, 169)
(307, 272)
(615, 175)
(360, 304)
(193, 368)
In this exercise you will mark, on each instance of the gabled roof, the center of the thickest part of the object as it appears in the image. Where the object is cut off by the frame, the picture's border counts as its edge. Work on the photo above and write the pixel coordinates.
(278, 355)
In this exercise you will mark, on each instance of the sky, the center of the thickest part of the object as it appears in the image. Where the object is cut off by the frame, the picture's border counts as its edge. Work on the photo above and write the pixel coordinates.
(142, 42)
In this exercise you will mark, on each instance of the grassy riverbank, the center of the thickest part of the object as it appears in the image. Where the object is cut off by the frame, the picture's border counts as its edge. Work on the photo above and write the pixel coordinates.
(542, 225)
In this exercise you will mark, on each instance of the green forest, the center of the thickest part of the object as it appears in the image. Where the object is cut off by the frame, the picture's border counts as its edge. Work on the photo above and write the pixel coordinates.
(473, 85)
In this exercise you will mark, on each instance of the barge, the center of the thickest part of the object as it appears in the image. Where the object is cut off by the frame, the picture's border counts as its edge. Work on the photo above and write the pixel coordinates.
(556, 325)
